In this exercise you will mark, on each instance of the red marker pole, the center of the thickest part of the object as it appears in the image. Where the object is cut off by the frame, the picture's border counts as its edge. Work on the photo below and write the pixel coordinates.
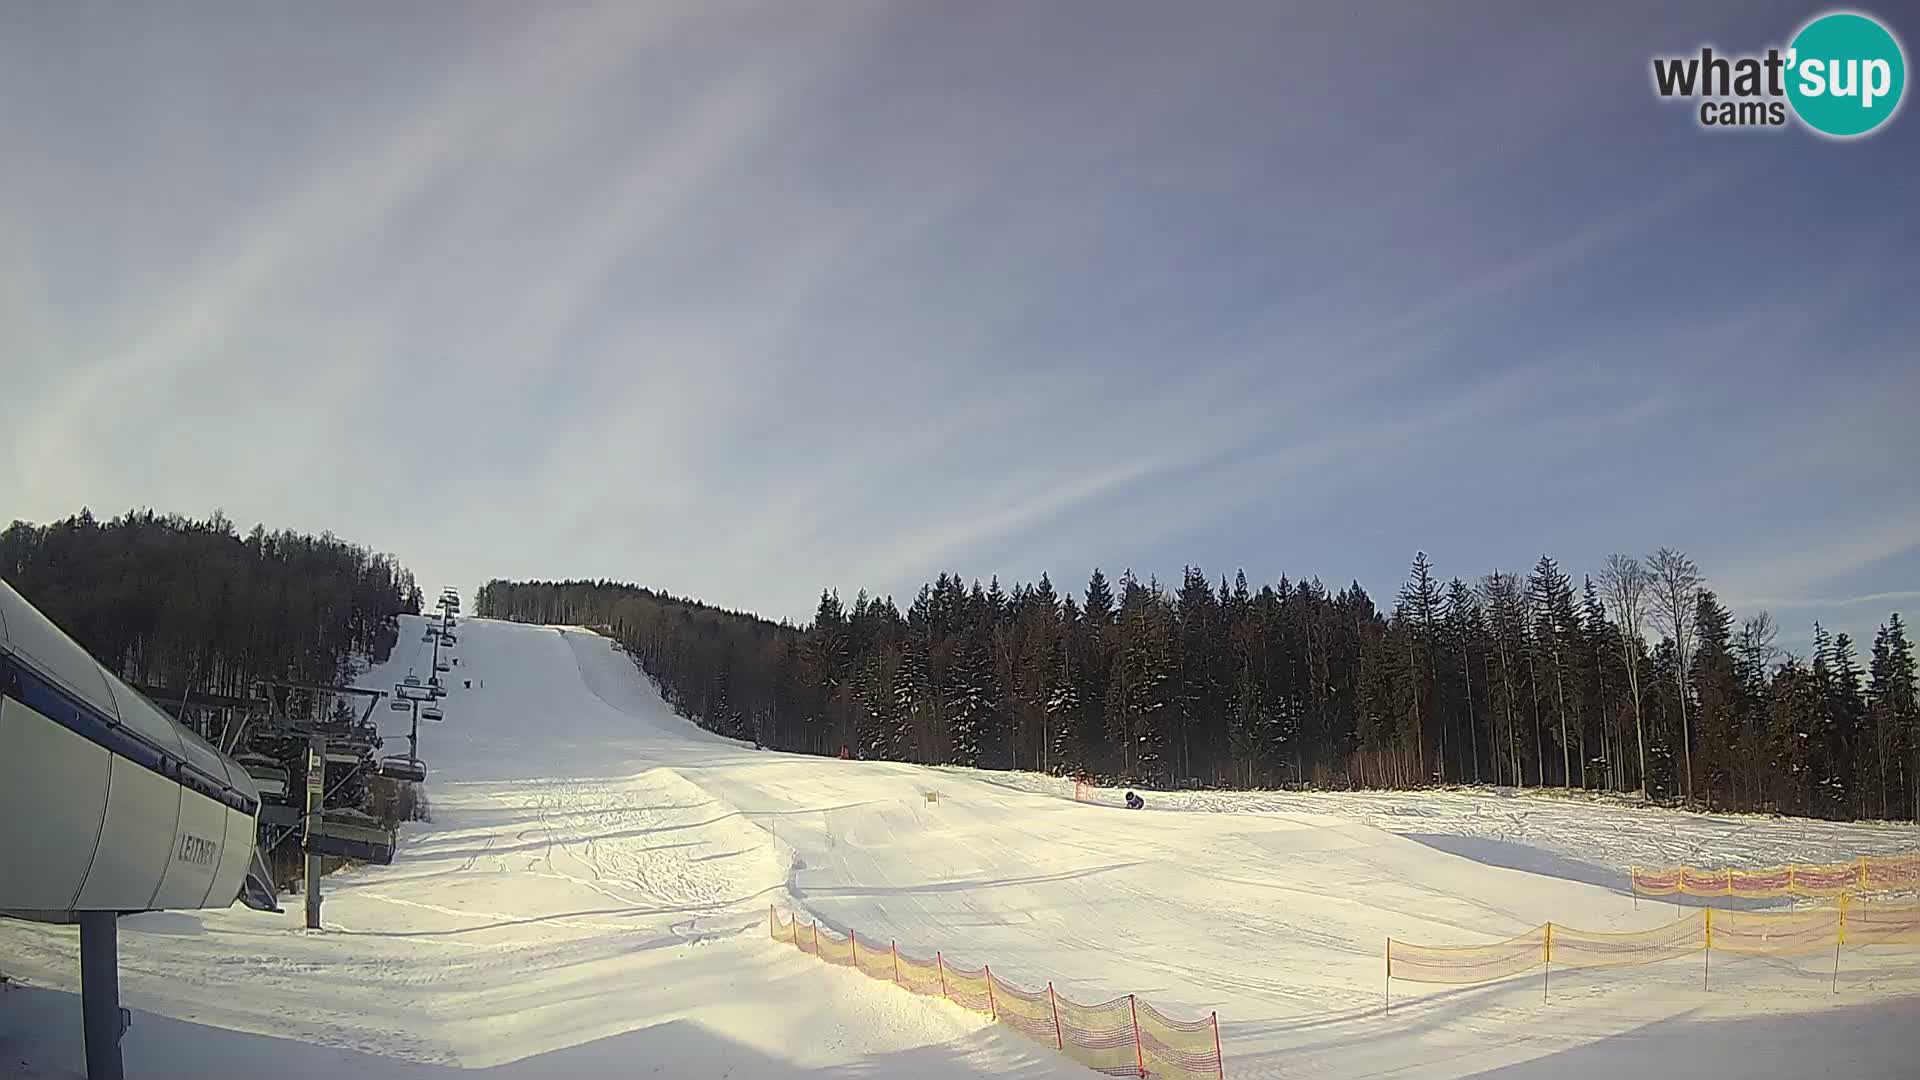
(1219, 1059)
(1139, 1052)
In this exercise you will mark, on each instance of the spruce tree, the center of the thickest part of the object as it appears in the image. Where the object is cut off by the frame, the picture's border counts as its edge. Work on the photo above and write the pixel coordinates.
(1890, 698)
(1420, 602)
(1716, 685)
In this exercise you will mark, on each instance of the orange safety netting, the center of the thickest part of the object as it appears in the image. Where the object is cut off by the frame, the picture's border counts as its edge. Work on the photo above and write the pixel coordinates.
(1590, 949)
(1751, 933)
(1785, 933)
(1122, 1037)
(1469, 963)
(1863, 875)
(1867, 924)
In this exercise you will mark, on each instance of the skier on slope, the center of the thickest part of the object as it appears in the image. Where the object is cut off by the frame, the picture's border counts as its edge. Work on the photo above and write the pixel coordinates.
(1135, 802)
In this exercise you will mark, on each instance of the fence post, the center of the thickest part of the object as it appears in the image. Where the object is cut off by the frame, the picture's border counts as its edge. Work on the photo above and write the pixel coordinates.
(993, 1007)
(816, 937)
(1139, 1052)
(1389, 976)
(853, 939)
(1707, 969)
(1546, 975)
(896, 963)
(941, 965)
(1633, 880)
(1219, 1059)
(1837, 940)
(1863, 872)
(1059, 1041)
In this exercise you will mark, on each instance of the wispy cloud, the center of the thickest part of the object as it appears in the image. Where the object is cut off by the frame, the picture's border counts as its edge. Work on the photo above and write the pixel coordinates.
(741, 301)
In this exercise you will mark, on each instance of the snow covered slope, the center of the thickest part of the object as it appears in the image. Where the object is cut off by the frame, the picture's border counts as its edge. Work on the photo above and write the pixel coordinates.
(592, 895)
(572, 910)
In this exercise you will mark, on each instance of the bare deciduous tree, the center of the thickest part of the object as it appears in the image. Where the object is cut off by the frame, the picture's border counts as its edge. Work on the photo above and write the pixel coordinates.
(1675, 587)
(1625, 582)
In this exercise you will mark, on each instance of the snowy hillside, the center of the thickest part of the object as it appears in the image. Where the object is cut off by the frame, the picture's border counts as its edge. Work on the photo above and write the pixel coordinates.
(591, 899)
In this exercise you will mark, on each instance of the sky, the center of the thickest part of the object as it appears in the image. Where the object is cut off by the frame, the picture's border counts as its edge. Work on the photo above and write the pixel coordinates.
(744, 300)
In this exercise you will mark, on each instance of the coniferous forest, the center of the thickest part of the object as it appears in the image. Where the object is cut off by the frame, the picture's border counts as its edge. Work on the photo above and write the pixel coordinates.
(1633, 677)
(188, 604)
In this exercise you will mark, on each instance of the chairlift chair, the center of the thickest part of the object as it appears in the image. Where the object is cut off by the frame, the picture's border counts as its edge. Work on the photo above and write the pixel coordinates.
(439, 691)
(398, 705)
(350, 834)
(432, 712)
(268, 775)
(403, 767)
(411, 679)
(442, 666)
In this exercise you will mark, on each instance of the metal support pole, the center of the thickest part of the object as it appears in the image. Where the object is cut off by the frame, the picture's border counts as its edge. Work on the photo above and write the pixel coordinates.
(1839, 937)
(101, 1016)
(1706, 965)
(316, 804)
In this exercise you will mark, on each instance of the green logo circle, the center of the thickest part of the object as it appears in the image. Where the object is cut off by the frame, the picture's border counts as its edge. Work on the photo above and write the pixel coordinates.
(1845, 74)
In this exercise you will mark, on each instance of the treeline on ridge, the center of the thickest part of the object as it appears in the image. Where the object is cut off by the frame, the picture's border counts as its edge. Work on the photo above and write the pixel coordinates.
(1635, 679)
(176, 602)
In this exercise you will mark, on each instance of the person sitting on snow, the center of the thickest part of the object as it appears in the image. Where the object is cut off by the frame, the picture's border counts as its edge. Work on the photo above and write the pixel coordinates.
(1135, 802)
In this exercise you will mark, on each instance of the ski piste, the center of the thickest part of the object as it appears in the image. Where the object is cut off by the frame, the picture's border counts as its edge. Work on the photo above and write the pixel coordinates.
(591, 898)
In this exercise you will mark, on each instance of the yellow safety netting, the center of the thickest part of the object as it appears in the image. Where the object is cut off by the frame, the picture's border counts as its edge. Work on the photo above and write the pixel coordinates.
(832, 948)
(1784, 933)
(1184, 1049)
(875, 963)
(1590, 949)
(1866, 874)
(1102, 1037)
(969, 988)
(921, 976)
(1122, 1037)
(1869, 924)
(1467, 963)
(1750, 933)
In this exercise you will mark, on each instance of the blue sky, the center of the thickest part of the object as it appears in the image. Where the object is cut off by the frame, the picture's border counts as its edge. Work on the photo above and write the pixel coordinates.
(742, 300)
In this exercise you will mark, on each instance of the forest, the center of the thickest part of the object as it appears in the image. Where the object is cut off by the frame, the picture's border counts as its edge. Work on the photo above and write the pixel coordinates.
(187, 604)
(1636, 678)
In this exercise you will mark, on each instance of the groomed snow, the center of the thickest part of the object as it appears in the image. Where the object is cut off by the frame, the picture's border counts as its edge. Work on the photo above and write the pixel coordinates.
(1599, 837)
(591, 900)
